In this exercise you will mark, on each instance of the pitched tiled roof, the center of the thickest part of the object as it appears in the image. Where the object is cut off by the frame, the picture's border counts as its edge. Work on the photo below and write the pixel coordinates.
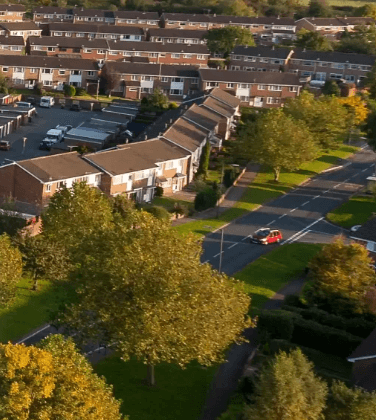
(334, 56)
(58, 167)
(48, 62)
(204, 117)
(52, 10)
(12, 8)
(269, 52)
(11, 40)
(218, 106)
(177, 33)
(158, 47)
(186, 134)
(20, 26)
(340, 21)
(226, 97)
(152, 69)
(134, 14)
(64, 41)
(135, 157)
(94, 28)
(264, 77)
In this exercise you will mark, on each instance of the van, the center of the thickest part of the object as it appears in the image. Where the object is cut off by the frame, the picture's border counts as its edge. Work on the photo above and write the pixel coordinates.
(47, 101)
(54, 136)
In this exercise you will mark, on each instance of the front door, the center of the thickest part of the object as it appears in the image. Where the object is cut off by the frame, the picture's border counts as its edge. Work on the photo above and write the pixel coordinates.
(259, 102)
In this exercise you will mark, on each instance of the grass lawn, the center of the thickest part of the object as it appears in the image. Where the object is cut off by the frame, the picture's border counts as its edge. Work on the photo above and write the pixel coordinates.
(168, 202)
(356, 211)
(264, 189)
(31, 309)
(269, 273)
(179, 394)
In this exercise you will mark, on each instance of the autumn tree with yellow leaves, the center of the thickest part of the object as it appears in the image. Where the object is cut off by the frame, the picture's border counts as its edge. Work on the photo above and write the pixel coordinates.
(52, 382)
(10, 270)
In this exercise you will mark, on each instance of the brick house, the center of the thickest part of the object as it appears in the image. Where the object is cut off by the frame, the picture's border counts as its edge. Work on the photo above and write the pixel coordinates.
(253, 88)
(259, 58)
(53, 72)
(186, 54)
(95, 31)
(24, 29)
(12, 45)
(330, 26)
(331, 65)
(176, 36)
(137, 80)
(12, 12)
(34, 181)
(133, 17)
(92, 49)
(136, 168)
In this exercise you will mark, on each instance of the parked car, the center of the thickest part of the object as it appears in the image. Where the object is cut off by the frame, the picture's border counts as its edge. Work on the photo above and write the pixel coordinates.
(24, 105)
(265, 236)
(75, 107)
(64, 129)
(4, 145)
(31, 100)
(47, 101)
(54, 136)
(45, 145)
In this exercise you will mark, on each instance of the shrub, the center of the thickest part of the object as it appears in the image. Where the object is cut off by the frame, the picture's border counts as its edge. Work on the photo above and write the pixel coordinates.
(159, 191)
(69, 90)
(159, 212)
(276, 324)
(230, 176)
(205, 199)
(80, 91)
(293, 300)
(173, 105)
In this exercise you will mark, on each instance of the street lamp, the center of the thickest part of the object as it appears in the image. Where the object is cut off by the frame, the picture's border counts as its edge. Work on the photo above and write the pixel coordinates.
(220, 247)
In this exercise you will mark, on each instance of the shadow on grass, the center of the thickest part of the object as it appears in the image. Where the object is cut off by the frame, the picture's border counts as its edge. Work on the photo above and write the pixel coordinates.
(328, 159)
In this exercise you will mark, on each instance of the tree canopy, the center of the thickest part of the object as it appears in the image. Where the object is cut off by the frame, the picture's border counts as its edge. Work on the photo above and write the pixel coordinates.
(52, 381)
(313, 40)
(331, 88)
(223, 40)
(288, 389)
(10, 270)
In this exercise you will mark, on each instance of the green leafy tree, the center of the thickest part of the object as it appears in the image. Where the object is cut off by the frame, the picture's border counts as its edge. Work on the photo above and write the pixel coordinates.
(368, 10)
(223, 40)
(4, 83)
(110, 79)
(204, 160)
(370, 82)
(313, 40)
(235, 8)
(10, 270)
(52, 381)
(157, 99)
(148, 295)
(331, 88)
(319, 8)
(69, 90)
(350, 403)
(278, 141)
(341, 272)
(325, 118)
(288, 389)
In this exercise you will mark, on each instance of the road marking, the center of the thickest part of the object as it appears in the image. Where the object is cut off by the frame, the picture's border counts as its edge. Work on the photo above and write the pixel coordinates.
(303, 230)
(300, 236)
(270, 223)
(305, 203)
(283, 215)
(338, 185)
(232, 246)
(293, 209)
(326, 191)
(354, 176)
(317, 196)
(246, 237)
(364, 169)
(347, 164)
(346, 180)
(217, 255)
(206, 261)
(32, 335)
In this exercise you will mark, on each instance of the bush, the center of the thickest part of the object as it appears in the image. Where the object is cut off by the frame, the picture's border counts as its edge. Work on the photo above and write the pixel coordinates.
(159, 212)
(180, 209)
(230, 176)
(80, 91)
(69, 90)
(173, 105)
(276, 324)
(293, 300)
(323, 338)
(205, 199)
(159, 191)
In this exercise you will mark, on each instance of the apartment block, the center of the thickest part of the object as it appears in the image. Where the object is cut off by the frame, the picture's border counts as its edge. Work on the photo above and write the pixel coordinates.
(12, 12)
(257, 89)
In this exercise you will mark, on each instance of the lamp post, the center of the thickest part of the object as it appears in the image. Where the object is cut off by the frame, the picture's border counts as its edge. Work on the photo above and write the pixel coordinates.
(220, 246)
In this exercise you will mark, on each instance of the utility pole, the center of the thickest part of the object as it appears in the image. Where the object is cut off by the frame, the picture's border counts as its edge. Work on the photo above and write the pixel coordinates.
(221, 252)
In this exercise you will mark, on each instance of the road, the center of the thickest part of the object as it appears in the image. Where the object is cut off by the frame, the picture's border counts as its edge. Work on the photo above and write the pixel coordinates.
(299, 215)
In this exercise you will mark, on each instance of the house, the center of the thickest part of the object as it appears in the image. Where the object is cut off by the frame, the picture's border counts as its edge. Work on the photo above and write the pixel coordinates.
(330, 26)
(95, 31)
(176, 54)
(12, 45)
(364, 360)
(24, 29)
(137, 80)
(176, 36)
(253, 88)
(259, 58)
(135, 169)
(91, 49)
(12, 12)
(331, 65)
(53, 72)
(136, 18)
(34, 181)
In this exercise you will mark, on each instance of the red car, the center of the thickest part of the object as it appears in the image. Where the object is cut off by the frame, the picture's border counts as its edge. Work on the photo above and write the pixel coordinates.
(265, 236)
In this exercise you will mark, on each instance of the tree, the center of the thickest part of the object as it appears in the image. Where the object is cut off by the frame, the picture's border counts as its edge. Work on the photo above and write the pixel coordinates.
(313, 40)
(52, 381)
(235, 8)
(110, 78)
(368, 10)
(278, 141)
(331, 88)
(223, 40)
(325, 118)
(288, 389)
(157, 99)
(357, 112)
(69, 90)
(10, 270)
(319, 8)
(204, 160)
(341, 273)
(350, 403)
(4, 83)
(147, 294)
(370, 82)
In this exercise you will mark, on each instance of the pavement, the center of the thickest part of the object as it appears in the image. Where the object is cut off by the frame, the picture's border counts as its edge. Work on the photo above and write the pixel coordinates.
(35, 131)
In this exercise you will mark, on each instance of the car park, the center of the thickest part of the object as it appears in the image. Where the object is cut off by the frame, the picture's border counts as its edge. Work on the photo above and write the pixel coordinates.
(4, 145)
(54, 136)
(265, 236)
(75, 107)
(47, 101)
(45, 145)
(31, 100)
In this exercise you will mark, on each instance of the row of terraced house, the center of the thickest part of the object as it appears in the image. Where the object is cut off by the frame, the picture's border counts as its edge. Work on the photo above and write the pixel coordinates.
(168, 159)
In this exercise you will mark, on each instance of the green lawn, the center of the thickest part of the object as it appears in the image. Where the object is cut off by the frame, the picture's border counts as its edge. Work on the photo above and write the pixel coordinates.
(169, 202)
(356, 211)
(269, 273)
(264, 189)
(179, 393)
(31, 309)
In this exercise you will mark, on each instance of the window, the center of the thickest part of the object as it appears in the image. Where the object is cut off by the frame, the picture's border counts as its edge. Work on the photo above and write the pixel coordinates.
(153, 55)
(5, 69)
(47, 82)
(293, 89)
(211, 84)
(251, 69)
(200, 57)
(169, 164)
(91, 73)
(137, 37)
(113, 52)
(323, 64)
(237, 57)
(138, 175)
(264, 60)
(308, 63)
(62, 49)
(261, 87)
(61, 72)
(48, 187)
(100, 52)
(68, 33)
(88, 50)
(230, 85)
(51, 49)
(203, 25)
(365, 68)
(177, 92)
(273, 100)
(177, 79)
(36, 47)
(336, 76)
(187, 55)
(275, 87)
(243, 86)
(195, 81)
(252, 59)
(19, 70)
(80, 35)
(338, 66)
(61, 184)
(353, 66)
(75, 72)
(164, 79)
(175, 55)
(16, 48)
(129, 21)
(135, 77)
(277, 61)
(33, 70)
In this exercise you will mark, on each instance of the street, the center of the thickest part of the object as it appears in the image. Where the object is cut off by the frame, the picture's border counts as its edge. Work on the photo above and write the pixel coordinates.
(35, 131)
(299, 215)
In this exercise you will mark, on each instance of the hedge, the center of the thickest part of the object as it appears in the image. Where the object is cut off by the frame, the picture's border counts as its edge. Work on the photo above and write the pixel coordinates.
(276, 324)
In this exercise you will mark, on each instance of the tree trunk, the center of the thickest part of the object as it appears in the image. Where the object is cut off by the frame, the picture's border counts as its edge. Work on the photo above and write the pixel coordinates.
(150, 379)
(35, 283)
(276, 174)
